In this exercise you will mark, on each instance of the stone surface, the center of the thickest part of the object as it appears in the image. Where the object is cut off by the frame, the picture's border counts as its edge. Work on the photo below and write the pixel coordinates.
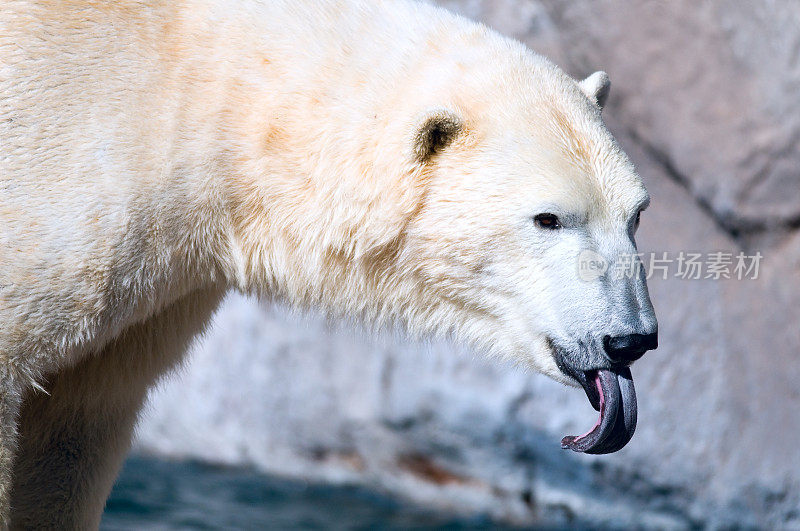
(703, 100)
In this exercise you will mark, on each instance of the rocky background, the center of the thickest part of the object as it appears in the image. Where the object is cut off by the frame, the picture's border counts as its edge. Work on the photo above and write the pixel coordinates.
(705, 99)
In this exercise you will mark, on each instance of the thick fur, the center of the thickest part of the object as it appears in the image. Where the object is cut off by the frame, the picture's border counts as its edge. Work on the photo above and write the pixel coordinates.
(380, 160)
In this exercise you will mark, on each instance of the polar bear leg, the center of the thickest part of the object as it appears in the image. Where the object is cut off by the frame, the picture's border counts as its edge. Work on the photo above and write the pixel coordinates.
(10, 403)
(70, 450)
(73, 440)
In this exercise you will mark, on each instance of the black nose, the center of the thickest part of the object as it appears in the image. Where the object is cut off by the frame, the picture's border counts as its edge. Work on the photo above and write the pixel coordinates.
(623, 349)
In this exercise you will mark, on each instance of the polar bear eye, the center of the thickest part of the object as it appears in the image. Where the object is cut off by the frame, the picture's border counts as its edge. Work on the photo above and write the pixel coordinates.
(547, 221)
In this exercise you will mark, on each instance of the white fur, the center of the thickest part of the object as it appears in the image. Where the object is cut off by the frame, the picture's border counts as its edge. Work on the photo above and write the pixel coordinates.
(155, 154)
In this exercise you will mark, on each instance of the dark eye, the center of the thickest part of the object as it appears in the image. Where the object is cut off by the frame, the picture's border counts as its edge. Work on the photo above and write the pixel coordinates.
(547, 221)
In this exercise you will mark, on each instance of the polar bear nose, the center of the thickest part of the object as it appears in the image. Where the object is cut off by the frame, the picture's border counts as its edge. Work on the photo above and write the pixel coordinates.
(625, 349)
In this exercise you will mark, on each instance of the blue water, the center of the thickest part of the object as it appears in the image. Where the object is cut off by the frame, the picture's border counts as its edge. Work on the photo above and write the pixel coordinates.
(156, 494)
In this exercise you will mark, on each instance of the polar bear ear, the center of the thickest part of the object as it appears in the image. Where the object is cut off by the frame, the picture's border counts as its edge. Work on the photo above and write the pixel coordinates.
(435, 131)
(596, 87)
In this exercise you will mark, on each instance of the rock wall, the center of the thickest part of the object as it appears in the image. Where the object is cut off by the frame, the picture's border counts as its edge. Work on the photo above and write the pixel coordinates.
(704, 99)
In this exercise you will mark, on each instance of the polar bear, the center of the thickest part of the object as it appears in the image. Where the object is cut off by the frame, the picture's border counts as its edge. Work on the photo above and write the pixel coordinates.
(377, 159)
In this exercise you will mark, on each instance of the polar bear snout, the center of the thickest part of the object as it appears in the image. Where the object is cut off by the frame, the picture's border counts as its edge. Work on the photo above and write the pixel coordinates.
(629, 348)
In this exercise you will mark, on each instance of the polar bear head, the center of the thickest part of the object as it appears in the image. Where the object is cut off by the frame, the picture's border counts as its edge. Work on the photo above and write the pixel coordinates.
(526, 236)
(494, 207)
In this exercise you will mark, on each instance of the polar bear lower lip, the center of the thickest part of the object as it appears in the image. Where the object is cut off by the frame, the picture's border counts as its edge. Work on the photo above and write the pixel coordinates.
(617, 405)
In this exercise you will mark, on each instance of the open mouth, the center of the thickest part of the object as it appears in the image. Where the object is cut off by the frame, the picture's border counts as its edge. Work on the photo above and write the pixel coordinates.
(611, 392)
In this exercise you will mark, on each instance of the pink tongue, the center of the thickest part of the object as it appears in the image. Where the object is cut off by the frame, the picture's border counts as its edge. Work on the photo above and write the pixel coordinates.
(599, 387)
(595, 440)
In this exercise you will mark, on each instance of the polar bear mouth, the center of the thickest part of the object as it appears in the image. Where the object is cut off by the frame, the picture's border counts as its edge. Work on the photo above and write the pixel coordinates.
(611, 392)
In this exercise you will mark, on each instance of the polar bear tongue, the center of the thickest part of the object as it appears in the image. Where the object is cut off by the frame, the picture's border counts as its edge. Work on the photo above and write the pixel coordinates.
(617, 406)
